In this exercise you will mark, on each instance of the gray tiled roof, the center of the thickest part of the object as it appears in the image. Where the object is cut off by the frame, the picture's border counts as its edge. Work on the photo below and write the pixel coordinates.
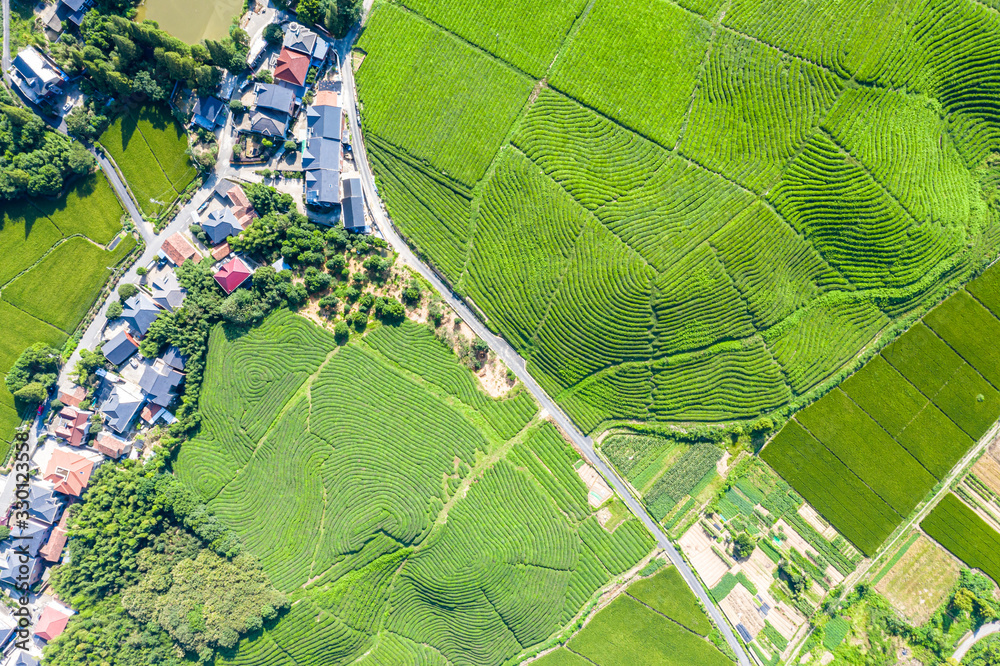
(300, 38)
(140, 312)
(120, 408)
(352, 206)
(325, 122)
(321, 154)
(269, 123)
(159, 382)
(10, 563)
(322, 187)
(167, 291)
(119, 348)
(43, 503)
(209, 108)
(274, 97)
(174, 358)
(221, 224)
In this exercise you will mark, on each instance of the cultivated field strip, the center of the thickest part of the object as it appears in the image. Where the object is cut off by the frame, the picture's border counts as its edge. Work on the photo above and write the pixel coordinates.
(970, 538)
(901, 424)
(829, 181)
(385, 492)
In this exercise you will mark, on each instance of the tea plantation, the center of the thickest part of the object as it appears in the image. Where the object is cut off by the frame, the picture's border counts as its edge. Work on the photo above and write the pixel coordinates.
(410, 517)
(689, 212)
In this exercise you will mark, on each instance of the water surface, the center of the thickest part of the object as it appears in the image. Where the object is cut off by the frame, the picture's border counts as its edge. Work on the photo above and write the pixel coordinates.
(192, 20)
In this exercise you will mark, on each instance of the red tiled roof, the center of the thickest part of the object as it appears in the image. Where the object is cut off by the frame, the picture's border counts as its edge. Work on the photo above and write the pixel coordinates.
(178, 249)
(220, 251)
(326, 98)
(232, 274)
(112, 446)
(238, 197)
(292, 67)
(73, 397)
(52, 622)
(52, 550)
(69, 472)
(74, 430)
(150, 412)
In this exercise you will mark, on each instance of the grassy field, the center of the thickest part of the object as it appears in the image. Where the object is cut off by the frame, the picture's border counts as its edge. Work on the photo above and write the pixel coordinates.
(628, 632)
(51, 273)
(80, 268)
(920, 581)
(959, 529)
(339, 465)
(148, 147)
(667, 593)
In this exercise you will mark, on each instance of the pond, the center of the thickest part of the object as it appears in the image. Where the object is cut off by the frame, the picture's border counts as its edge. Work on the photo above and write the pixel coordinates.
(192, 20)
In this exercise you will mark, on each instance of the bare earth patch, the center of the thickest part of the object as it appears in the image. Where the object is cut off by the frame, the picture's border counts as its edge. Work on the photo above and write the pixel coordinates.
(740, 608)
(793, 539)
(810, 515)
(697, 545)
(920, 581)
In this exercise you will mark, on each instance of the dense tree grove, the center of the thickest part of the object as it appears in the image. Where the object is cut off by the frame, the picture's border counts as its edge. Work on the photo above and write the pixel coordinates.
(35, 161)
(34, 372)
(124, 59)
(337, 16)
(145, 585)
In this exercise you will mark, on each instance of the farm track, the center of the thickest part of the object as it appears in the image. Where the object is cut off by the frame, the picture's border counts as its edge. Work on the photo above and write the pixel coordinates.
(508, 355)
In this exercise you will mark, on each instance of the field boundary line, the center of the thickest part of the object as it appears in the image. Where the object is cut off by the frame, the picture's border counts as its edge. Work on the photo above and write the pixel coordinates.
(568, 649)
(762, 42)
(569, 36)
(159, 165)
(850, 469)
(666, 617)
(459, 38)
(25, 312)
(702, 67)
(39, 260)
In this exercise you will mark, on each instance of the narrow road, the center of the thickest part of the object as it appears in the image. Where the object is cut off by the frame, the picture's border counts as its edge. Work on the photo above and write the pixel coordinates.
(980, 633)
(509, 356)
(5, 61)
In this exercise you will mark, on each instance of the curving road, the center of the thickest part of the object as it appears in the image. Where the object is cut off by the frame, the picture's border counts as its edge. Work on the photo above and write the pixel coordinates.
(980, 633)
(507, 353)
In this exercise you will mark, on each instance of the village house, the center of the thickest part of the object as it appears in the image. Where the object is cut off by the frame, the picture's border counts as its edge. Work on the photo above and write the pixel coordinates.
(167, 291)
(68, 471)
(121, 406)
(119, 348)
(176, 249)
(37, 75)
(74, 426)
(232, 274)
(140, 312)
(353, 207)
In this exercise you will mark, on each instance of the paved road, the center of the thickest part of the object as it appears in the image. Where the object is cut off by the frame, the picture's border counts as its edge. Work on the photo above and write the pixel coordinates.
(507, 353)
(980, 633)
(10, 484)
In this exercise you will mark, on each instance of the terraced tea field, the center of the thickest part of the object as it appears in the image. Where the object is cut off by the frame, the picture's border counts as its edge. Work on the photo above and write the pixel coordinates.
(54, 264)
(866, 454)
(697, 212)
(404, 511)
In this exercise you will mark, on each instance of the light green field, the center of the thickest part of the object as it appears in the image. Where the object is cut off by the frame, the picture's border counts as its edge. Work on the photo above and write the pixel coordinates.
(90, 208)
(25, 235)
(667, 593)
(148, 147)
(626, 632)
(80, 268)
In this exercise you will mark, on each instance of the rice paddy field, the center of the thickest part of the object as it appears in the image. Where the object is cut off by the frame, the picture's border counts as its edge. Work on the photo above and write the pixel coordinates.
(410, 517)
(688, 213)
(149, 148)
(55, 263)
(866, 454)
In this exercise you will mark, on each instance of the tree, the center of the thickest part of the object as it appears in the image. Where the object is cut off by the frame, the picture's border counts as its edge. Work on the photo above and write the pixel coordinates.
(316, 280)
(412, 293)
(311, 11)
(115, 310)
(389, 310)
(743, 545)
(436, 314)
(33, 393)
(144, 84)
(37, 364)
(127, 290)
(241, 308)
(237, 106)
(336, 264)
(273, 33)
(89, 362)
(291, 146)
(329, 303)
(340, 332)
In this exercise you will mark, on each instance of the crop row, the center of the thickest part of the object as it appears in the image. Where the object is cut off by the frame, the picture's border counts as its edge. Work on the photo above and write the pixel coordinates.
(415, 349)
(696, 305)
(853, 223)
(678, 481)
(453, 116)
(550, 460)
(774, 269)
(621, 393)
(632, 454)
(636, 62)
(525, 33)
(733, 382)
(970, 538)
(814, 342)
(831, 487)
(754, 110)
(901, 140)
(431, 210)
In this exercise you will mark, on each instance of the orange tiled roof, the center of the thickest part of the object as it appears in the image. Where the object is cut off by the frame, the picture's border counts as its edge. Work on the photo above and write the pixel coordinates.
(53, 548)
(292, 67)
(178, 249)
(52, 622)
(73, 397)
(221, 251)
(327, 98)
(69, 472)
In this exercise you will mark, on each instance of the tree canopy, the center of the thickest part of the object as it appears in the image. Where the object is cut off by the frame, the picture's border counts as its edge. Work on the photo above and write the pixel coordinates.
(34, 372)
(35, 161)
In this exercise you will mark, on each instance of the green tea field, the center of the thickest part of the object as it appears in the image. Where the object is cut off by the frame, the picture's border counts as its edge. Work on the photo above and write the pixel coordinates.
(54, 266)
(410, 517)
(696, 211)
(148, 147)
(869, 451)
(656, 621)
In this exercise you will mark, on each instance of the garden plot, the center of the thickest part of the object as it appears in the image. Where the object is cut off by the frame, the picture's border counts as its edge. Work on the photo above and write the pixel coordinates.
(741, 609)
(697, 544)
